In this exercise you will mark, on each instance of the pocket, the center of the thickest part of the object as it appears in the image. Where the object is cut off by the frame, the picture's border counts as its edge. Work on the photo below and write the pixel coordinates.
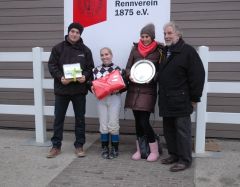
(176, 100)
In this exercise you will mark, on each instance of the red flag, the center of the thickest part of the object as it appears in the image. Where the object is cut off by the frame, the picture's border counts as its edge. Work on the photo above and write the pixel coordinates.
(89, 12)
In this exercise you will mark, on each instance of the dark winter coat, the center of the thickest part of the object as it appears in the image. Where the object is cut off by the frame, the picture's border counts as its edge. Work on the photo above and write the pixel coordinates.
(181, 80)
(67, 53)
(142, 96)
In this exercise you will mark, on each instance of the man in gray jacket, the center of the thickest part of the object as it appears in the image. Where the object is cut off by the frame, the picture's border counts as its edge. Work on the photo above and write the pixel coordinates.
(181, 81)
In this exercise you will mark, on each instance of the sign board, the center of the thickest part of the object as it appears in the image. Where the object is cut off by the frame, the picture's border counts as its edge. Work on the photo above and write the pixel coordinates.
(115, 23)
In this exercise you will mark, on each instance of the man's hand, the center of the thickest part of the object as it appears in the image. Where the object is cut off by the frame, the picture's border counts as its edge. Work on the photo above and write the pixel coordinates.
(65, 81)
(81, 79)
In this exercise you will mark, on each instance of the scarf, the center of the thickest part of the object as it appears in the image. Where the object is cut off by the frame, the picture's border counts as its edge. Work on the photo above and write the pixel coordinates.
(146, 50)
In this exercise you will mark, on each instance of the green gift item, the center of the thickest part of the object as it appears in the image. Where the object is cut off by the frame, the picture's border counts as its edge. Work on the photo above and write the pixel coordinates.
(75, 72)
(72, 71)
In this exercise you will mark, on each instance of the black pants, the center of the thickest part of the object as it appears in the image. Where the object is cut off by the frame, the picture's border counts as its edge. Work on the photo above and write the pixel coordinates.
(79, 107)
(143, 126)
(177, 133)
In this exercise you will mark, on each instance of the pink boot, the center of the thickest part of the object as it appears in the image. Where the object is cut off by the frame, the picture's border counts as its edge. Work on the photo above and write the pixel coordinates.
(137, 154)
(154, 152)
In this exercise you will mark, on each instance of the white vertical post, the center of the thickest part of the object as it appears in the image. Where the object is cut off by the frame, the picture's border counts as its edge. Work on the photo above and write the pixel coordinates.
(202, 106)
(68, 14)
(39, 98)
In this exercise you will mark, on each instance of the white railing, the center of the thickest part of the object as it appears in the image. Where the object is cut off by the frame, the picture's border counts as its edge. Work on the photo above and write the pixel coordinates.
(39, 83)
(202, 116)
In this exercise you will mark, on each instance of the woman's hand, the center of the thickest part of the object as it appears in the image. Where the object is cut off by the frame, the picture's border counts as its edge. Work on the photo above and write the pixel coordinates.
(131, 79)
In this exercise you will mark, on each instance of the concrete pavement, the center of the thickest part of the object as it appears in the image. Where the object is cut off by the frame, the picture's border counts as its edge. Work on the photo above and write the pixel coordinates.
(27, 166)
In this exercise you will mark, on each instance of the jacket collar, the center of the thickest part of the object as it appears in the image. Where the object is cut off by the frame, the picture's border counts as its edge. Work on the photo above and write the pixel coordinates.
(176, 48)
(77, 45)
(107, 65)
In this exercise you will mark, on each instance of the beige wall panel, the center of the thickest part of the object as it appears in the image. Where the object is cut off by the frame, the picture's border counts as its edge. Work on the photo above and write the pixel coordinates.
(16, 73)
(44, 27)
(14, 96)
(28, 43)
(210, 15)
(212, 33)
(213, 24)
(224, 76)
(22, 49)
(224, 101)
(223, 95)
(30, 4)
(212, 41)
(31, 12)
(201, 1)
(32, 35)
(206, 6)
(222, 134)
(227, 67)
(219, 108)
(30, 20)
(16, 66)
(223, 48)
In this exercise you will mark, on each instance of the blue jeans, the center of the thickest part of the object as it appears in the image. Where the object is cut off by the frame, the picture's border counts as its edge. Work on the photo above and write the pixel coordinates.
(79, 107)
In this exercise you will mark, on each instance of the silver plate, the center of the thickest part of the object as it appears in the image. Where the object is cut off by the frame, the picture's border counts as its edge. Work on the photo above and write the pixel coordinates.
(143, 71)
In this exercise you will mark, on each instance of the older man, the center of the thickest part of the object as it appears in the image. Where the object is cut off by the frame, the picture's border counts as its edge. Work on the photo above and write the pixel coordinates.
(181, 81)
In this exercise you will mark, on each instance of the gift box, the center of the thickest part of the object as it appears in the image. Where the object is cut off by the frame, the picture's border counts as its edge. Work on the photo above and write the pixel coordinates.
(72, 71)
(108, 84)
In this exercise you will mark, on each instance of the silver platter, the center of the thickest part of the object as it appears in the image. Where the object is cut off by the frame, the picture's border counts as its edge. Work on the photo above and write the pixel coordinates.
(143, 71)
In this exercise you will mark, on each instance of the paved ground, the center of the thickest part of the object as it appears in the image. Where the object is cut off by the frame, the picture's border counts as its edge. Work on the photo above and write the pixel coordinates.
(120, 172)
(26, 166)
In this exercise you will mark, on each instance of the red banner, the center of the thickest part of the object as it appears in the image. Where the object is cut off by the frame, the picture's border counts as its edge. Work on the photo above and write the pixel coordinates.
(89, 12)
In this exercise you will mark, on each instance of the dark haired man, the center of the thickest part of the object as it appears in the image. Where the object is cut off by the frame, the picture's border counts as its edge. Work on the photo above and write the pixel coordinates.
(74, 88)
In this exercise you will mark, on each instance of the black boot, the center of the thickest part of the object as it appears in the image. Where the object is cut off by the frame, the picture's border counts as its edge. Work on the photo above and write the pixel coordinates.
(160, 150)
(114, 150)
(105, 150)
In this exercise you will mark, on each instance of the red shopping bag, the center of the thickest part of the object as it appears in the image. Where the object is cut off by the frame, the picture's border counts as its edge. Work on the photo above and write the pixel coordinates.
(115, 81)
(101, 88)
(108, 84)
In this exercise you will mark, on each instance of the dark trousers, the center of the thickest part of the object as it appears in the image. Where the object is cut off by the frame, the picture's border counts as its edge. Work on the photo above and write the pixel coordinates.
(143, 126)
(79, 107)
(177, 133)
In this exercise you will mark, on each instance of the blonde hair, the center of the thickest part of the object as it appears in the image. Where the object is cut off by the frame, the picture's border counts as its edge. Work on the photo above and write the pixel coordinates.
(108, 49)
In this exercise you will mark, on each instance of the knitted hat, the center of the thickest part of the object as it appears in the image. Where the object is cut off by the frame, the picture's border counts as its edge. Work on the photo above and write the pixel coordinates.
(149, 29)
(76, 26)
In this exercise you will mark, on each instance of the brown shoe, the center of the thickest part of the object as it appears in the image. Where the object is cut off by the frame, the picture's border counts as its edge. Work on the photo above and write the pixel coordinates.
(79, 152)
(178, 167)
(54, 152)
(169, 160)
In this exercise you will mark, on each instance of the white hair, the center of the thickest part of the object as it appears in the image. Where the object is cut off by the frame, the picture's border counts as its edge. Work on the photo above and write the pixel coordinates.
(175, 27)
